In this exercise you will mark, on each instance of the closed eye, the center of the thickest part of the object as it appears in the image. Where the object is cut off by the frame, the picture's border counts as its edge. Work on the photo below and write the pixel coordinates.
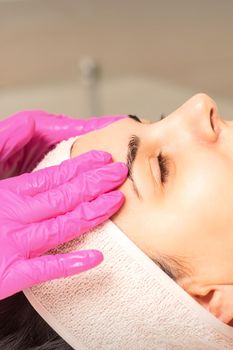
(162, 160)
(134, 117)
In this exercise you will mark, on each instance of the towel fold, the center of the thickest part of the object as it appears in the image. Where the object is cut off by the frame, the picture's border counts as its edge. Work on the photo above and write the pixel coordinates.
(125, 303)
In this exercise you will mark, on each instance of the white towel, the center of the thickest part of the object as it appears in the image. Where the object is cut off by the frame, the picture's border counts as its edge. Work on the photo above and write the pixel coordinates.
(127, 302)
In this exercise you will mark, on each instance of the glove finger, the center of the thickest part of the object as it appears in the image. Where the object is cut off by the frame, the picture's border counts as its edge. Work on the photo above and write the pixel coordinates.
(49, 267)
(64, 127)
(68, 196)
(16, 132)
(54, 176)
(41, 237)
(41, 269)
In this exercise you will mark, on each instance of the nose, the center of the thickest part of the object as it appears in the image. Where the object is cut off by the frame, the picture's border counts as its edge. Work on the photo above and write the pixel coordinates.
(202, 117)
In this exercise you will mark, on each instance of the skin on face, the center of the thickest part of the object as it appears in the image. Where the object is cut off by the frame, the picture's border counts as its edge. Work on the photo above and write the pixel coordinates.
(190, 215)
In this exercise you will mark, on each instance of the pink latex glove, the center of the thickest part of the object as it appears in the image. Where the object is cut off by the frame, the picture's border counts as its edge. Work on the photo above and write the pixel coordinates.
(41, 210)
(26, 136)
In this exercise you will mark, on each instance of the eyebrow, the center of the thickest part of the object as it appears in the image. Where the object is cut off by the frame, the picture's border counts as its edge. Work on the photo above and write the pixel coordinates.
(133, 147)
(134, 117)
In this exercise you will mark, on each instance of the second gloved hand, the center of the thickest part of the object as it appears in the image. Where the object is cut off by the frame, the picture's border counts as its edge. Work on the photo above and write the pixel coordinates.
(41, 210)
(27, 136)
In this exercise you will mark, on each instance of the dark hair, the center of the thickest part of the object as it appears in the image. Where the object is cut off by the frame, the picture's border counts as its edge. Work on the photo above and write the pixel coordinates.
(22, 328)
(177, 268)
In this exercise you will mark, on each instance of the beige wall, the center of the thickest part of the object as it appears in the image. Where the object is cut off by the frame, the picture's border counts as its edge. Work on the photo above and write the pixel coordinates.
(146, 97)
(152, 55)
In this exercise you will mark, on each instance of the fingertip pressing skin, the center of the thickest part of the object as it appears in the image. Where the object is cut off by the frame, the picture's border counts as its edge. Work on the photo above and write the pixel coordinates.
(49, 178)
(44, 218)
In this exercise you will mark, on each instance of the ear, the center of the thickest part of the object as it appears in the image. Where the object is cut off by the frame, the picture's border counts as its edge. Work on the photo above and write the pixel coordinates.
(218, 300)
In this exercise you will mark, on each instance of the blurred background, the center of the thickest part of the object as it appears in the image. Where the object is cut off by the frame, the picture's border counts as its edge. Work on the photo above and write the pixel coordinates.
(101, 57)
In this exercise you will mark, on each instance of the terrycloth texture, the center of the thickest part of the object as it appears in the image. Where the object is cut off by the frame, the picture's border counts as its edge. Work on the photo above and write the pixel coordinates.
(127, 302)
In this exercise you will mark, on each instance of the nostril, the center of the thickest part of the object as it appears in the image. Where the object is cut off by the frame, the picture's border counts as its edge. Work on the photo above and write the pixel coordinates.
(214, 122)
(211, 119)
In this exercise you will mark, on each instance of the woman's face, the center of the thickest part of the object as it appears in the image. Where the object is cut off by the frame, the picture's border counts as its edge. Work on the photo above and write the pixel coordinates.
(187, 211)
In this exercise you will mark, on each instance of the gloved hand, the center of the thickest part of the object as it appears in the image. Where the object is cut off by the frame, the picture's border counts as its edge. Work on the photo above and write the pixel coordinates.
(41, 210)
(27, 136)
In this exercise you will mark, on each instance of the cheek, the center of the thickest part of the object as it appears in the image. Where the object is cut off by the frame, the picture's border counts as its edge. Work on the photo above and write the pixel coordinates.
(205, 192)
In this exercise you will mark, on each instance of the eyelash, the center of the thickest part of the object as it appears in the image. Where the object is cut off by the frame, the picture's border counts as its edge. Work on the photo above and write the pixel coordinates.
(163, 166)
(163, 162)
